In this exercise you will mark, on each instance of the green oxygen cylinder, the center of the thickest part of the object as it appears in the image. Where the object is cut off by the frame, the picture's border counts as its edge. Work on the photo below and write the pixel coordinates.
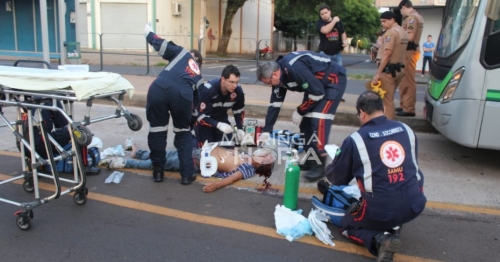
(292, 179)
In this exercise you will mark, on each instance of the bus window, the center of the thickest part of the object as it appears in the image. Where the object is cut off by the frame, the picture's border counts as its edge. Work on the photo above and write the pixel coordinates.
(457, 24)
(492, 52)
(496, 26)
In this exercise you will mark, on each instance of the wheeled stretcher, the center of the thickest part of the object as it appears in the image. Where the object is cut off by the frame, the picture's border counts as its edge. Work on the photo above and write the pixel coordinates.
(28, 90)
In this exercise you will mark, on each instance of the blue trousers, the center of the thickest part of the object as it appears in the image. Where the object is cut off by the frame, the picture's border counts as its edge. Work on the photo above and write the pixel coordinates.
(142, 160)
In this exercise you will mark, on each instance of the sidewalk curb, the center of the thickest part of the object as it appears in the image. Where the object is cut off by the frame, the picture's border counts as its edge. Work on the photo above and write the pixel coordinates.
(342, 117)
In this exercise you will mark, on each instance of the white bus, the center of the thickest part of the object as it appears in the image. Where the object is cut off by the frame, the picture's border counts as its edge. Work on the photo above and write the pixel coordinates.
(463, 93)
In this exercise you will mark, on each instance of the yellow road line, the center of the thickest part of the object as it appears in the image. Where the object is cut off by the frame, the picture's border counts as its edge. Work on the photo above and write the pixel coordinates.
(221, 222)
(307, 190)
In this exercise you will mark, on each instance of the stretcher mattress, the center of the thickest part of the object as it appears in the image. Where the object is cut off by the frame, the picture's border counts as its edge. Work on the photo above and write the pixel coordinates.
(84, 84)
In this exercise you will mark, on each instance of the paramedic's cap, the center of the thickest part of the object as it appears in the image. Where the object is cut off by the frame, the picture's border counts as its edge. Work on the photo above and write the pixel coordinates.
(197, 57)
(387, 15)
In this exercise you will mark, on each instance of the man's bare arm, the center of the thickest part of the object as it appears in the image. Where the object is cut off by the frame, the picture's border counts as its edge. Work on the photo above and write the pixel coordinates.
(211, 187)
(328, 27)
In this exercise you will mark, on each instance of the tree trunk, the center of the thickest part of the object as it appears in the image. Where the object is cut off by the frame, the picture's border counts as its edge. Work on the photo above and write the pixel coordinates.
(231, 9)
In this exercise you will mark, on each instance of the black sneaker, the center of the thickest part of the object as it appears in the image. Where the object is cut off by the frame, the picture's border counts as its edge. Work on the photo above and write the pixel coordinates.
(387, 245)
(399, 109)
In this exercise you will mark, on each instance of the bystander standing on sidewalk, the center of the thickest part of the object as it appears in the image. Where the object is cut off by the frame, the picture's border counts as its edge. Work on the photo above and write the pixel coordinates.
(428, 49)
(332, 36)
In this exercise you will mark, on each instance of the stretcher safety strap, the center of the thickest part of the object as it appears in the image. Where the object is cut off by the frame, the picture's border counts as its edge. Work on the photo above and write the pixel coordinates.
(411, 136)
(365, 159)
(158, 129)
(176, 60)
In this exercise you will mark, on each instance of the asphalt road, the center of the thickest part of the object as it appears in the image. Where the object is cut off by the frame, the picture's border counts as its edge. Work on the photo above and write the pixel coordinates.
(138, 220)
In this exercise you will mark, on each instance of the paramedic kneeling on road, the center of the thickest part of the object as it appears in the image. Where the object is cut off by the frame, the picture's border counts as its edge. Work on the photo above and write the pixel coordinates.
(323, 83)
(217, 96)
(172, 93)
(382, 157)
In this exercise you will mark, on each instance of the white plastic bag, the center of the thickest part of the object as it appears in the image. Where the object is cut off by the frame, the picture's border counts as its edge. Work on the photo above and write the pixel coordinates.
(291, 224)
(113, 151)
(115, 177)
(317, 220)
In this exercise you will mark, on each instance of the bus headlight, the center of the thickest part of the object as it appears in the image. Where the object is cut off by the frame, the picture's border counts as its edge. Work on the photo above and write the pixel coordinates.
(451, 87)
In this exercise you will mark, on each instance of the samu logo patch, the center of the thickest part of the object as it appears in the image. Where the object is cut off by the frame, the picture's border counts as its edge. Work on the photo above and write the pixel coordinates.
(305, 85)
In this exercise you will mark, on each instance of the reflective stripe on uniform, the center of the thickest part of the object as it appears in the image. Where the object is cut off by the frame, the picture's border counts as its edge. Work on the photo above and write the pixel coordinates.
(411, 136)
(220, 104)
(201, 117)
(315, 98)
(320, 115)
(176, 60)
(158, 129)
(365, 159)
(176, 130)
(238, 111)
(291, 84)
(163, 47)
(276, 104)
(315, 57)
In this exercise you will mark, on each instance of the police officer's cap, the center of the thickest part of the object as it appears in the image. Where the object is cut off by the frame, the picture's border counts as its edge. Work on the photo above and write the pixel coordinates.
(387, 15)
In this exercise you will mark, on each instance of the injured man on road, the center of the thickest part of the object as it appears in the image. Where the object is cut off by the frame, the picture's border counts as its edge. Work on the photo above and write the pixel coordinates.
(230, 165)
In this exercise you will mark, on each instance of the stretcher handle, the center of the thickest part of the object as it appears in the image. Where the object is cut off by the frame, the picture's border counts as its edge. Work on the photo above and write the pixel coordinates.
(33, 61)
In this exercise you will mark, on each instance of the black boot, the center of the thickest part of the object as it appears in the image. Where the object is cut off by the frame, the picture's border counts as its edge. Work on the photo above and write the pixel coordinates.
(317, 171)
(387, 245)
(157, 174)
(188, 180)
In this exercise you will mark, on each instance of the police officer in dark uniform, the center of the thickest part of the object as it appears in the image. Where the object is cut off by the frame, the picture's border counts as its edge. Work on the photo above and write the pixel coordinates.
(323, 83)
(172, 94)
(216, 97)
(382, 157)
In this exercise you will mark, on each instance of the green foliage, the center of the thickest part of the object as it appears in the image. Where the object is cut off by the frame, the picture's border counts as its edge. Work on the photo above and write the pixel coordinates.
(364, 43)
(353, 41)
(294, 17)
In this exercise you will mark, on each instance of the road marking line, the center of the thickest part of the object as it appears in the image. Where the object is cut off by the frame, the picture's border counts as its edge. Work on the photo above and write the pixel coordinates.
(252, 69)
(303, 190)
(220, 222)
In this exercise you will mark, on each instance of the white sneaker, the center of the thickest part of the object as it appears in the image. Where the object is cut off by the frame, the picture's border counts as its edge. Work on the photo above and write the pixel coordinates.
(128, 144)
(117, 163)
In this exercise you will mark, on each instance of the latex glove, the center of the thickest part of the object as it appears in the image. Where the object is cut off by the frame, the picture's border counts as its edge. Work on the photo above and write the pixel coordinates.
(241, 135)
(263, 138)
(224, 128)
(147, 30)
(296, 117)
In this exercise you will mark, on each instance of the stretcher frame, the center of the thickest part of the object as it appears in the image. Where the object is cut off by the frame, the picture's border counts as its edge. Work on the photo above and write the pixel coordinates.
(79, 133)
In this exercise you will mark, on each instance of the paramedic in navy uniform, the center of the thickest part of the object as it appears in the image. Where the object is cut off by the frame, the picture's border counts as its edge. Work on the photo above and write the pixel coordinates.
(216, 97)
(323, 83)
(172, 94)
(382, 157)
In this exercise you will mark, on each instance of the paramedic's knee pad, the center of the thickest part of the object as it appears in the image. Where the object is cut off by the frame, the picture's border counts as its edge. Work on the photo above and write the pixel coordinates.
(208, 163)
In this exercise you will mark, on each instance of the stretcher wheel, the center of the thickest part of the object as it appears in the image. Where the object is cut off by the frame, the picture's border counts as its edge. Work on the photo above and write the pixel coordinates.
(24, 222)
(135, 122)
(80, 198)
(82, 135)
(28, 185)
